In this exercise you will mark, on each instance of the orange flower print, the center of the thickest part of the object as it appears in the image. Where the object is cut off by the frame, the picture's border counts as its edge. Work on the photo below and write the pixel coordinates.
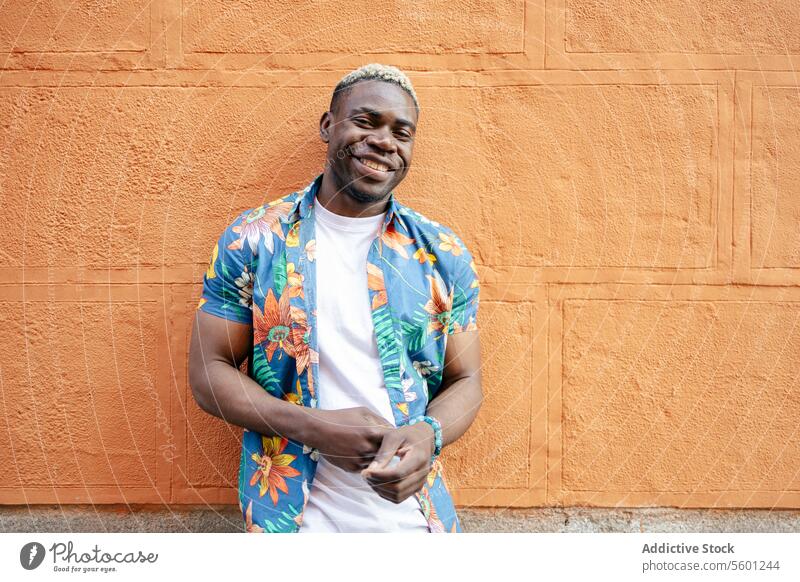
(449, 244)
(431, 478)
(273, 326)
(471, 326)
(422, 255)
(261, 222)
(273, 466)
(436, 471)
(252, 527)
(294, 281)
(439, 305)
(293, 236)
(376, 283)
(396, 241)
(210, 274)
(303, 355)
(300, 336)
(295, 397)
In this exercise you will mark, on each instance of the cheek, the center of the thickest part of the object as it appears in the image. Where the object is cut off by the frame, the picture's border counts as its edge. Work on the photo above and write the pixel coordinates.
(408, 154)
(339, 155)
(406, 163)
(337, 146)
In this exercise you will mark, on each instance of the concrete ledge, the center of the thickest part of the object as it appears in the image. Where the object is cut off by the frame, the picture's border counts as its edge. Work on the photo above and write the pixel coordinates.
(224, 519)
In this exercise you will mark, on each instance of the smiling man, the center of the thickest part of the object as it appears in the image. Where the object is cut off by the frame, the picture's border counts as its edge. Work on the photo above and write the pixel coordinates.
(358, 318)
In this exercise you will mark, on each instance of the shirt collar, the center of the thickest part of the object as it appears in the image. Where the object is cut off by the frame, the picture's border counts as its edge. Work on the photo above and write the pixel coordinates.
(305, 203)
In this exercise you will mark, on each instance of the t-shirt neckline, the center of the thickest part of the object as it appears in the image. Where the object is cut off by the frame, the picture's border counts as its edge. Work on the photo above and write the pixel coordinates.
(348, 223)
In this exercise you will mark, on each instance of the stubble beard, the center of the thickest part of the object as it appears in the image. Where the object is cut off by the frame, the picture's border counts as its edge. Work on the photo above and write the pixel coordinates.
(353, 192)
(350, 188)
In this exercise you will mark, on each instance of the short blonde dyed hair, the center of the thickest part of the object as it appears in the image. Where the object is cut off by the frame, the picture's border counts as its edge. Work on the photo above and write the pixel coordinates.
(374, 72)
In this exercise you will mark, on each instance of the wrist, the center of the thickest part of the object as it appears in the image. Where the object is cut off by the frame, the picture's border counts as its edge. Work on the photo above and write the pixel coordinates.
(306, 427)
(426, 435)
(435, 428)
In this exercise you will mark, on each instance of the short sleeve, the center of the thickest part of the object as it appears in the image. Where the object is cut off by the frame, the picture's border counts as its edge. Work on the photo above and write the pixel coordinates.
(228, 281)
(466, 292)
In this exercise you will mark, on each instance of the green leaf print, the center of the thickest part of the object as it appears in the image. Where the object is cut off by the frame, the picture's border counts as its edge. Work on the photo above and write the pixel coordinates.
(279, 274)
(459, 307)
(416, 335)
(263, 373)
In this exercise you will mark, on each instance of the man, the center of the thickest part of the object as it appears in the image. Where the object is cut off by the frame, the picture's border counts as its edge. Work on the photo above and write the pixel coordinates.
(358, 317)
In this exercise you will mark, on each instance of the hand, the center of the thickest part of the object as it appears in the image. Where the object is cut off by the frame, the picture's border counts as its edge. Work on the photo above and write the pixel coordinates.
(348, 438)
(397, 482)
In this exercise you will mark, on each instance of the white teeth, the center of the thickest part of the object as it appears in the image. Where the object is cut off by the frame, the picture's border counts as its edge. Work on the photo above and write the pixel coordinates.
(374, 165)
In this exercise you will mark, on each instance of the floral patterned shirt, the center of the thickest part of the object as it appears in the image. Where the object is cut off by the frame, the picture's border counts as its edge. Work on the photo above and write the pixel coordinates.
(422, 286)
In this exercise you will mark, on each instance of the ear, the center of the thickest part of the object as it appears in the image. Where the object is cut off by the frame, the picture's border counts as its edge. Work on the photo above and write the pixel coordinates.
(325, 123)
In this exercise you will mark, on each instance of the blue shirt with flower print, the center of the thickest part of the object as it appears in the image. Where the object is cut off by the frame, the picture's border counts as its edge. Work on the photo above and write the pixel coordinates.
(422, 286)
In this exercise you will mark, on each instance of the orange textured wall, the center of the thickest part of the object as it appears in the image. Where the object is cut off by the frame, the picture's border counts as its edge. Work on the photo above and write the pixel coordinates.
(625, 172)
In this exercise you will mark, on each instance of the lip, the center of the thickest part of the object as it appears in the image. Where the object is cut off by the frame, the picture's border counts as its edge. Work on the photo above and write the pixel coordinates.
(371, 172)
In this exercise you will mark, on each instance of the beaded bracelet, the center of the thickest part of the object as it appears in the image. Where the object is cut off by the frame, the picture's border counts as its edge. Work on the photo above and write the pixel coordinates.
(437, 433)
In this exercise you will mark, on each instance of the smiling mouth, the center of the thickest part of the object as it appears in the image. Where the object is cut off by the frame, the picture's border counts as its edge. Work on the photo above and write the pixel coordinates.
(377, 166)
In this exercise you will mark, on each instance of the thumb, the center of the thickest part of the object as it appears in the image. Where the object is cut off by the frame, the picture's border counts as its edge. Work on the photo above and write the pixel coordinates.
(389, 445)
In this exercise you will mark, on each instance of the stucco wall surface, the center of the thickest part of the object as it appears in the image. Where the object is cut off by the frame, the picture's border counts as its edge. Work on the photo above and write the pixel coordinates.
(625, 173)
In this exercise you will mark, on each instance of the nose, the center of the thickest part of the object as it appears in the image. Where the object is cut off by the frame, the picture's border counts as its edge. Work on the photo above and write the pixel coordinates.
(383, 139)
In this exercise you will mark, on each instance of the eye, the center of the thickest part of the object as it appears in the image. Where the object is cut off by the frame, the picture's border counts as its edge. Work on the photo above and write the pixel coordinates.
(362, 121)
(404, 135)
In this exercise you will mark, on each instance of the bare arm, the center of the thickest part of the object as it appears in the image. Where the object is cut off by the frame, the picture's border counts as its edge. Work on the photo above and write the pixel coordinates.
(457, 403)
(349, 438)
(217, 350)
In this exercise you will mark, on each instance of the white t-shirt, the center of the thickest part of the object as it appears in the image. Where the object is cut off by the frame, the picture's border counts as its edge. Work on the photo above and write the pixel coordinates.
(350, 375)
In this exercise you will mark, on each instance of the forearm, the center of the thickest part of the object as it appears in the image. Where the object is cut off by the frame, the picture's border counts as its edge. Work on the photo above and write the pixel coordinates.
(223, 391)
(456, 406)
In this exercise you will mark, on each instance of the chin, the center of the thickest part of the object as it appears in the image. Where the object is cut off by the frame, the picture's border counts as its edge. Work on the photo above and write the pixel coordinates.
(363, 197)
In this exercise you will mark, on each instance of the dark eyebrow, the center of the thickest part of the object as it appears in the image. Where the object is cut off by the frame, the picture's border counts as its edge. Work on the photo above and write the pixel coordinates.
(373, 113)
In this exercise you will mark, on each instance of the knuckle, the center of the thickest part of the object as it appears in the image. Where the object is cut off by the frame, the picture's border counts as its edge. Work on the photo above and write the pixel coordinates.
(376, 434)
(367, 450)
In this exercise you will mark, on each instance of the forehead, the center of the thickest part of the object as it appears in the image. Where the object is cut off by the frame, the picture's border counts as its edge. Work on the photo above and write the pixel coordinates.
(379, 96)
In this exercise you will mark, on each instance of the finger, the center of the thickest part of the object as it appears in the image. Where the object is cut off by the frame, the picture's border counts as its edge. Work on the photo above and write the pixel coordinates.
(391, 442)
(387, 496)
(378, 433)
(409, 465)
(398, 492)
(366, 460)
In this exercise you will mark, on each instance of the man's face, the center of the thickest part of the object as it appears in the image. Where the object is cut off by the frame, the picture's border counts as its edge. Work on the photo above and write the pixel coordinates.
(370, 136)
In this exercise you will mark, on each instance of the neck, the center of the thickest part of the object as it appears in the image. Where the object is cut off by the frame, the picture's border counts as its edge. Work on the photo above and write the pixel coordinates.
(339, 202)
